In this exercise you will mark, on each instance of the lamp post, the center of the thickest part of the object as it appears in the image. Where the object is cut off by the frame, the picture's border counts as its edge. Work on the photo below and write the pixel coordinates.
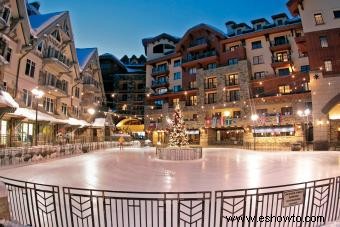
(254, 118)
(38, 94)
(304, 114)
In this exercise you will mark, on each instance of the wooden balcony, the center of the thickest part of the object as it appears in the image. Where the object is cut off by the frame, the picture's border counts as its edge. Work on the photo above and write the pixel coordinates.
(202, 58)
(238, 53)
(160, 71)
(281, 62)
(280, 46)
(197, 46)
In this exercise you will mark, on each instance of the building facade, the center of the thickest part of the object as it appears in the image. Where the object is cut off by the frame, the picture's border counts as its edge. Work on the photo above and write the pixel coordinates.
(124, 83)
(38, 52)
(320, 39)
(238, 87)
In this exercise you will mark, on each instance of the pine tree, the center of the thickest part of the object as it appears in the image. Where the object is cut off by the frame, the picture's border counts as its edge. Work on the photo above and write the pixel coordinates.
(178, 136)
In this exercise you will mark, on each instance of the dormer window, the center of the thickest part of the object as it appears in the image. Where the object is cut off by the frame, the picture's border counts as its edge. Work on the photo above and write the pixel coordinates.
(56, 35)
(239, 31)
(279, 22)
(5, 14)
(258, 26)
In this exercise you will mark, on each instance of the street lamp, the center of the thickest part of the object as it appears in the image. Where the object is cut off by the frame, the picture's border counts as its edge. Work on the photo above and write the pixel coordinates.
(254, 118)
(91, 111)
(304, 114)
(38, 94)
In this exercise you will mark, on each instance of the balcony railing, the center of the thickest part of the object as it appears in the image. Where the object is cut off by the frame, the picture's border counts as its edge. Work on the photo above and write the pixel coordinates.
(279, 42)
(156, 83)
(210, 85)
(199, 56)
(160, 70)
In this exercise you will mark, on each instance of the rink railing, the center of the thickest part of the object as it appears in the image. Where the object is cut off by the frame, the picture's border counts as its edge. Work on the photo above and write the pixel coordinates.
(43, 205)
(28, 154)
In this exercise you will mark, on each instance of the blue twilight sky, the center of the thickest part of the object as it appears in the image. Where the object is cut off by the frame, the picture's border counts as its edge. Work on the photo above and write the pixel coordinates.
(118, 26)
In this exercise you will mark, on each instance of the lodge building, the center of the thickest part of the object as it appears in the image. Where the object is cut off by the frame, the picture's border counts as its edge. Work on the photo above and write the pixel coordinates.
(223, 79)
(38, 52)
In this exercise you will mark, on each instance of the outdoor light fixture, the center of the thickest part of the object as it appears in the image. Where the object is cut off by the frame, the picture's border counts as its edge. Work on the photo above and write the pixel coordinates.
(254, 117)
(227, 114)
(38, 94)
(91, 111)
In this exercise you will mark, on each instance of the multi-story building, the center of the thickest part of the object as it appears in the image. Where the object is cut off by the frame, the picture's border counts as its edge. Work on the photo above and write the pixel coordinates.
(124, 83)
(245, 85)
(38, 51)
(320, 39)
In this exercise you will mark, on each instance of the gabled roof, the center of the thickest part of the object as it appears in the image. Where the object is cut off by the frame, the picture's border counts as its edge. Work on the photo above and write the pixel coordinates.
(260, 20)
(41, 21)
(84, 55)
(126, 68)
(147, 41)
(280, 15)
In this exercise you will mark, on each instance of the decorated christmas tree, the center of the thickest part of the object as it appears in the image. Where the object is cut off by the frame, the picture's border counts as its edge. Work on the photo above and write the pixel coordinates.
(178, 136)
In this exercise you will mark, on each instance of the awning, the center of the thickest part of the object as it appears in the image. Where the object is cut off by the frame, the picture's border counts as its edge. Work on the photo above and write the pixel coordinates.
(30, 114)
(6, 100)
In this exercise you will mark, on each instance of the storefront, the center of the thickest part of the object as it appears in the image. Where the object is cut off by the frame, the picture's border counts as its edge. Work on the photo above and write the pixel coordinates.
(226, 136)
(193, 136)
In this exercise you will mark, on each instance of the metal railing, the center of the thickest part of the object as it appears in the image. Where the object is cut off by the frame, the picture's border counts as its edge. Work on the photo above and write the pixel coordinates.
(45, 205)
(175, 153)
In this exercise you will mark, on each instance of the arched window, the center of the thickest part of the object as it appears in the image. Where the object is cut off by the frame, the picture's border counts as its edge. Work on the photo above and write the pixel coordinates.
(158, 49)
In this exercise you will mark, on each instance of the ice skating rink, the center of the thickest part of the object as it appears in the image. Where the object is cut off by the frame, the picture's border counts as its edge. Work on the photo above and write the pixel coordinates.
(136, 169)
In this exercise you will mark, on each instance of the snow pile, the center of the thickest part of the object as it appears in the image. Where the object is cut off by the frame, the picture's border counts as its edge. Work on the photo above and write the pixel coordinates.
(99, 123)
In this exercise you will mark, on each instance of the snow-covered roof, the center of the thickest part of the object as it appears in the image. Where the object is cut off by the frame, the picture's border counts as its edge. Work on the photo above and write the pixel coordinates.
(99, 123)
(84, 55)
(41, 21)
(7, 100)
(76, 122)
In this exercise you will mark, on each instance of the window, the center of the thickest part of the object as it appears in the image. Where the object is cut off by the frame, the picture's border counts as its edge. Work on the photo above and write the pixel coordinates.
(48, 104)
(287, 110)
(8, 54)
(259, 75)
(64, 108)
(30, 68)
(177, 63)
(140, 86)
(284, 89)
(233, 95)
(284, 72)
(212, 66)
(210, 98)
(210, 83)
(5, 14)
(27, 97)
(40, 47)
(282, 57)
(177, 88)
(305, 68)
(193, 85)
(323, 41)
(192, 71)
(177, 75)
(233, 48)
(256, 45)
(237, 114)
(318, 19)
(328, 66)
(193, 100)
(336, 14)
(232, 61)
(258, 26)
(75, 110)
(175, 102)
(259, 91)
(231, 80)
(279, 22)
(258, 60)
(159, 103)
(124, 97)
(239, 31)
(305, 86)
(261, 112)
(77, 92)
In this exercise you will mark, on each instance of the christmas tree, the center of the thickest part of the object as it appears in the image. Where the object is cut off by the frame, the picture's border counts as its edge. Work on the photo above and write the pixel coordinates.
(178, 136)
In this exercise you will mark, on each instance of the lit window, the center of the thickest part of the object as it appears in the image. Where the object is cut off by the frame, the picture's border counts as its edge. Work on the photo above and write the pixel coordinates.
(284, 89)
(323, 41)
(192, 71)
(318, 19)
(328, 66)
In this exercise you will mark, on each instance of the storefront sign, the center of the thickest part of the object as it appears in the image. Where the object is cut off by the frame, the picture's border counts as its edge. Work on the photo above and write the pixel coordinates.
(293, 197)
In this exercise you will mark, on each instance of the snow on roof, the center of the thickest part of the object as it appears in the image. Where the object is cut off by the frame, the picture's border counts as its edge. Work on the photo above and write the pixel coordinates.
(41, 21)
(76, 122)
(99, 123)
(7, 100)
(84, 55)
(30, 115)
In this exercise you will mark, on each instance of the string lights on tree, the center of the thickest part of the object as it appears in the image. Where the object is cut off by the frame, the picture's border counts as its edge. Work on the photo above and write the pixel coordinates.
(177, 130)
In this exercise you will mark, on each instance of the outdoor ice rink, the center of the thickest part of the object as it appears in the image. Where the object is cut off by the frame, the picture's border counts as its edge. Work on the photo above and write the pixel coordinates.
(136, 169)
